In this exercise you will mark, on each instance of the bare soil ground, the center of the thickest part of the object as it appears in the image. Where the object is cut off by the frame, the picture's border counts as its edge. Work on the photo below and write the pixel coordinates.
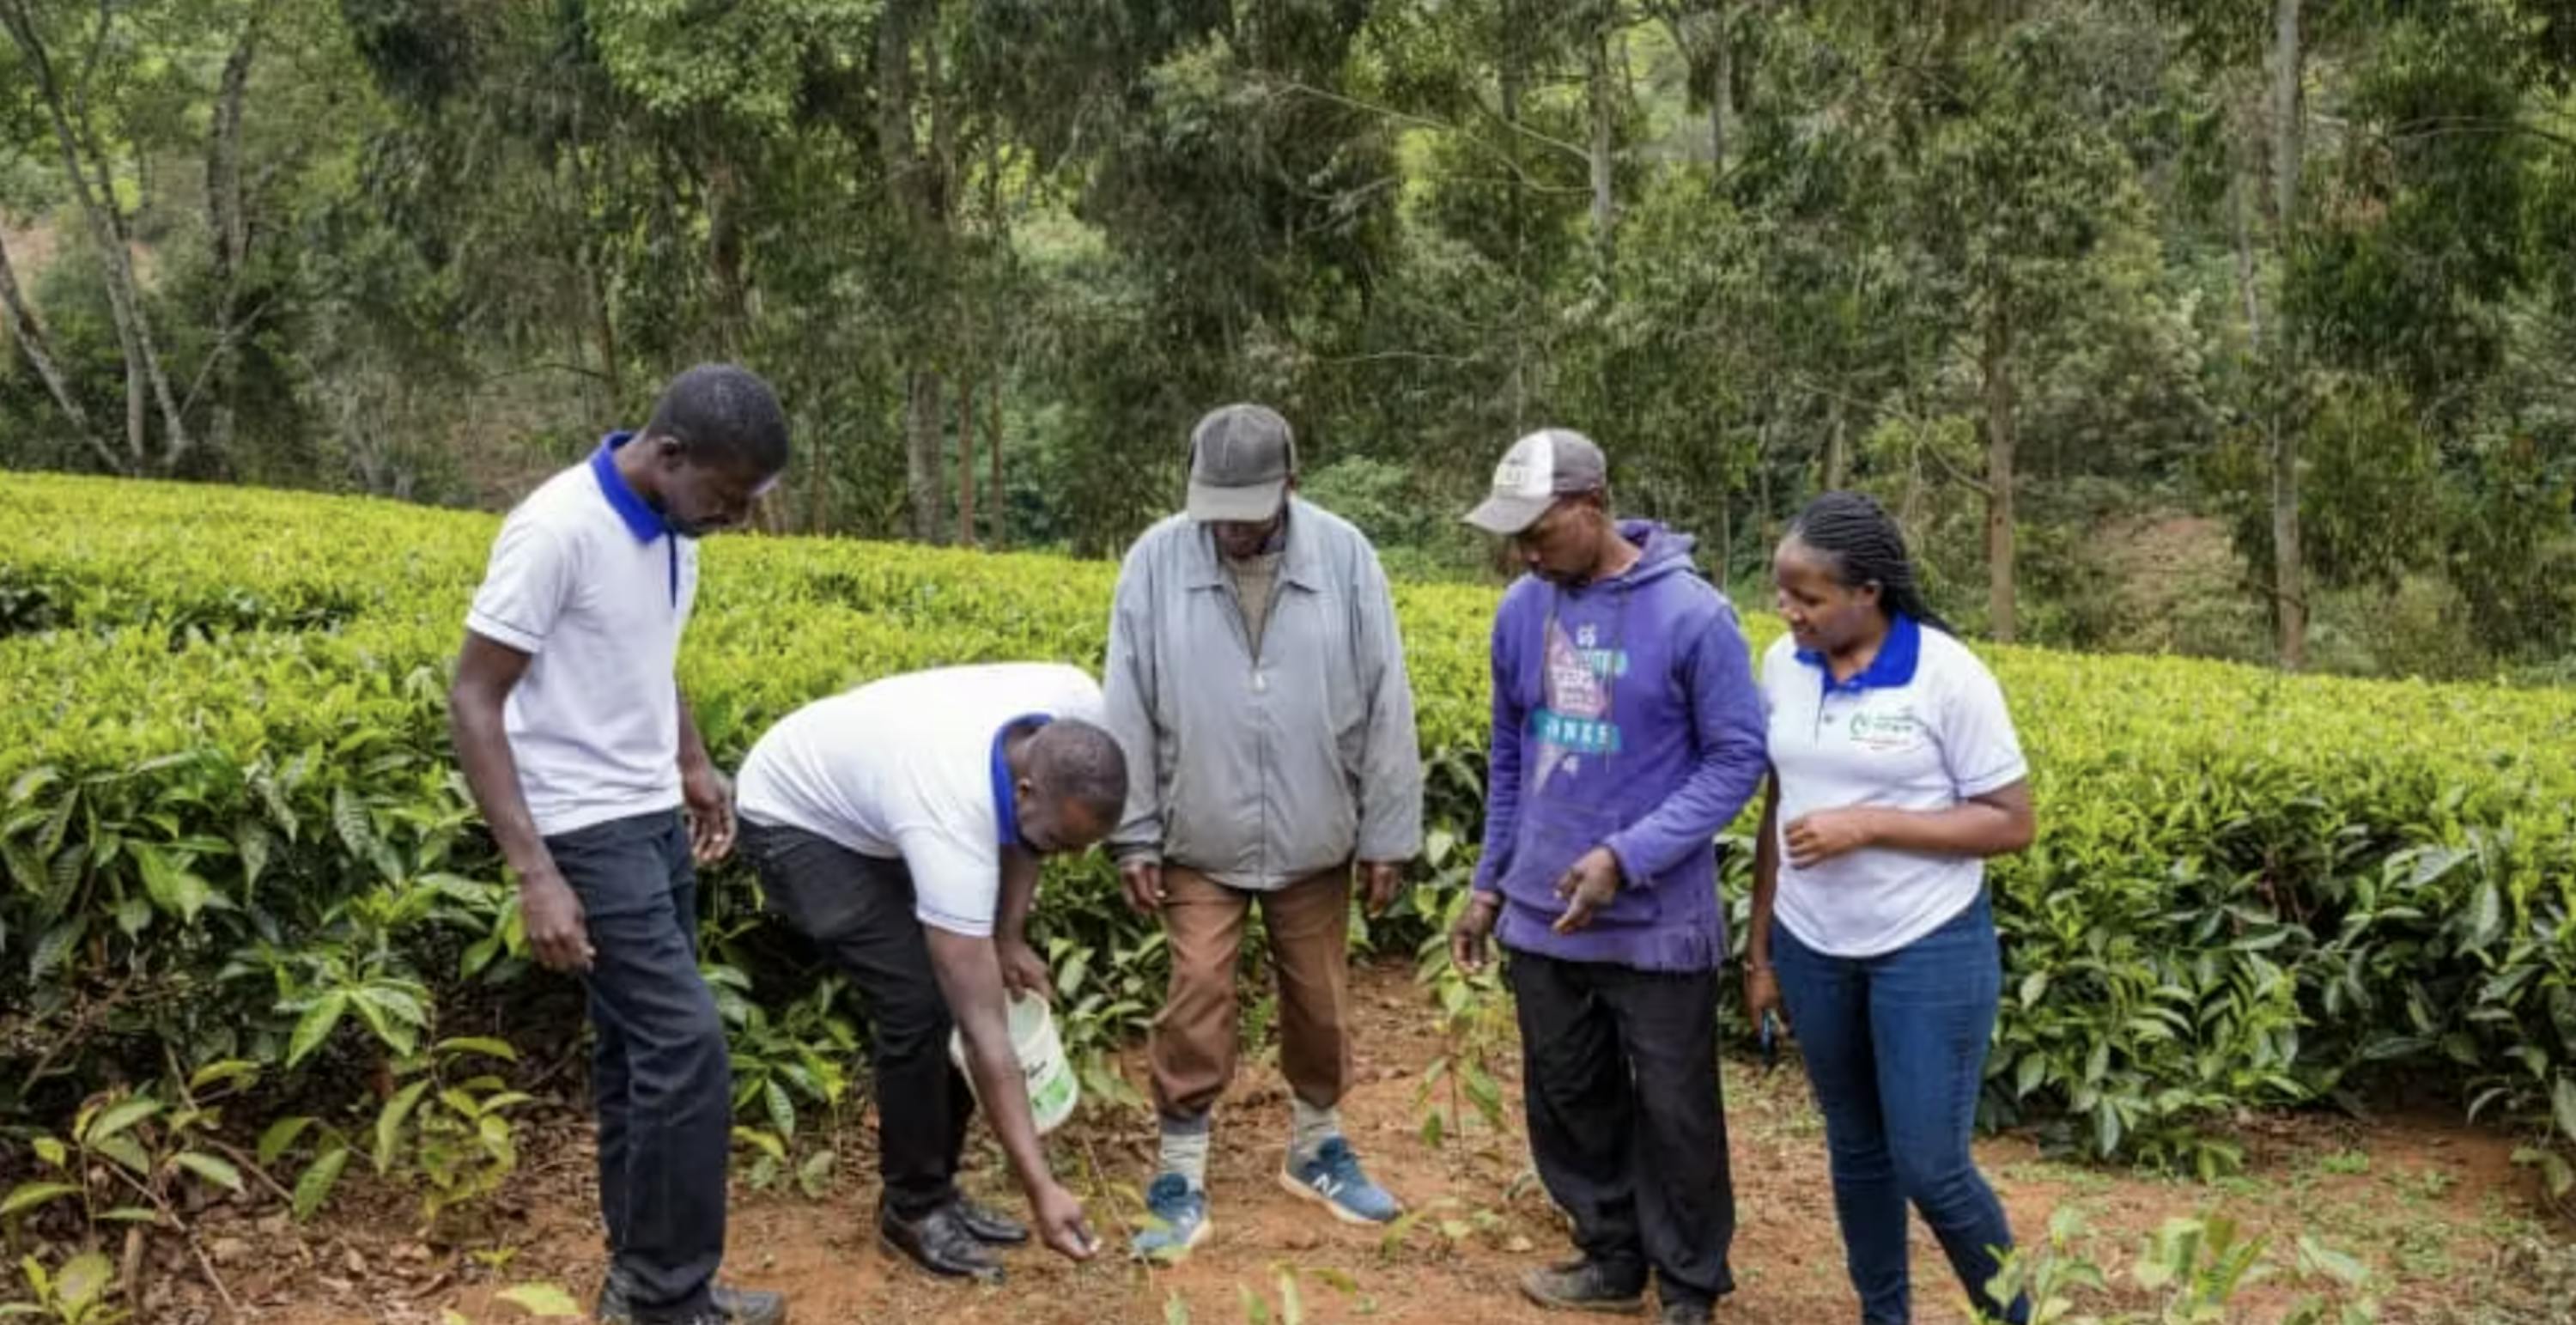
(2440, 1212)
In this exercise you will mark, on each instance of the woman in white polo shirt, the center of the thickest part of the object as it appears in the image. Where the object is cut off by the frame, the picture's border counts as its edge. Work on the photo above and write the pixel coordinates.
(1895, 773)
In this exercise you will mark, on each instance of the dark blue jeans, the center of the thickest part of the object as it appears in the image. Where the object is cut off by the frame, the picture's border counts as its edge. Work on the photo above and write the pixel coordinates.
(1895, 1046)
(660, 1072)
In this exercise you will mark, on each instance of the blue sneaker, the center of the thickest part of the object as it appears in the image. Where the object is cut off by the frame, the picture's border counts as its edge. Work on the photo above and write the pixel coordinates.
(1333, 1180)
(1180, 1216)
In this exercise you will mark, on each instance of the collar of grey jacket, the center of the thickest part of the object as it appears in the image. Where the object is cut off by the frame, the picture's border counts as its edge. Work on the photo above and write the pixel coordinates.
(1300, 563)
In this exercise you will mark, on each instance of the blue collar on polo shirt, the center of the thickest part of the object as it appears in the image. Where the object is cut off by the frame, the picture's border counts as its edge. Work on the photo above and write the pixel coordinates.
(1893, 667)
(640, 519)
(1006, 797)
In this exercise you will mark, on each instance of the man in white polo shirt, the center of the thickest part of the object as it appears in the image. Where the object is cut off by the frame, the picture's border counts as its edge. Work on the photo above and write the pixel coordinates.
(898, 826)
(580, 752)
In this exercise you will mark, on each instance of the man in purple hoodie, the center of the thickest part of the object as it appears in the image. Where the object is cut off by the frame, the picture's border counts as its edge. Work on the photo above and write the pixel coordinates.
(1627, 732)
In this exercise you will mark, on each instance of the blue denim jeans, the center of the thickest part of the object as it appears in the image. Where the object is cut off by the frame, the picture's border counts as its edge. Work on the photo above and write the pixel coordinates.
(1895, 1046)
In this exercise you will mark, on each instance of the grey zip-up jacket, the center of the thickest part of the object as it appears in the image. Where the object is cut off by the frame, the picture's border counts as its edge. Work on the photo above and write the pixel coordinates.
(1261, 771)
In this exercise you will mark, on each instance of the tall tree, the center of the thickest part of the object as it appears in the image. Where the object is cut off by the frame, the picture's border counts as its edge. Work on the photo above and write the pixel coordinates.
(2018, 182)
(91, 161)
(228, 227)
(2289, 148)
(28, 335)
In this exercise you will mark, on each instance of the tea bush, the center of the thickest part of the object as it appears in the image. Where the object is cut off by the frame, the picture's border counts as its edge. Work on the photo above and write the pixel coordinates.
(232, 830)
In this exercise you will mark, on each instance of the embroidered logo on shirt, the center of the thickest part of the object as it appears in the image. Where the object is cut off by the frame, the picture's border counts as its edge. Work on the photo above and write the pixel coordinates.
(1892, 732)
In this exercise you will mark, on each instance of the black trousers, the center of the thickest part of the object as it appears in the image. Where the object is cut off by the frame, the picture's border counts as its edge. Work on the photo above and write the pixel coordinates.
(1626, 1120)
(661, 1075)
(859, 911)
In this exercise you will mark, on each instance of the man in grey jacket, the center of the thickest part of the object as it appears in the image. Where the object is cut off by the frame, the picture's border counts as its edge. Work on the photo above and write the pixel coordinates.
(1256, 680)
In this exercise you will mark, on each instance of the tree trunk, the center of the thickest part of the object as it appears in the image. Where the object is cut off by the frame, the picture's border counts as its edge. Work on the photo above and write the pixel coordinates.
(724, 254)
(966, 461)
(2000, 623)
(998, 497)
(97, 199)
(917, 191)
(1721, 92)
(1508, 82)
(2289, 574)
(1726, 539)
(1605, 108)
(603, 335)
(1837, 453)
(30, 337)
(923, 434)
(1762, 482)
(607, 391)
(228, 230)
(2288, 127)
(818, 489)
(2241, 191)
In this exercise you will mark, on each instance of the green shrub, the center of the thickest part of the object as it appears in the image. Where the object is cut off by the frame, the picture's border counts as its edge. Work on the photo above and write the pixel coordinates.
(232, 828)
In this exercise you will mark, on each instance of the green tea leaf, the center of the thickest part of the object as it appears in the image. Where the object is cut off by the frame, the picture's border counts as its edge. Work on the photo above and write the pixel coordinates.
(782, 1110)
(56, 946)
(230, 1069)
(217, 1171)
(250, 841)
(814, 1176)
(349, 819)
(542, 1300)
(316, 1026)
(390, 1120)
(127, 1153)
(279, 1136)
(85, 1279)
(487, 1047)
(314, 1188)
(119, 1118)
(28, 1196)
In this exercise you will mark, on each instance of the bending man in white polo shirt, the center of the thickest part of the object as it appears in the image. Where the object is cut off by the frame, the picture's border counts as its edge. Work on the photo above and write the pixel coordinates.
(579, 749)
(898, 826)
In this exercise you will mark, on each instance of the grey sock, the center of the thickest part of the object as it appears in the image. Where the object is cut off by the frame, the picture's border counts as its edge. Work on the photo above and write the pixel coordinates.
(1309, 1128)
(1185, 1150)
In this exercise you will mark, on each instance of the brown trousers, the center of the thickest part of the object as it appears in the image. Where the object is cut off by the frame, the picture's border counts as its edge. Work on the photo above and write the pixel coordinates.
(1195, 1040)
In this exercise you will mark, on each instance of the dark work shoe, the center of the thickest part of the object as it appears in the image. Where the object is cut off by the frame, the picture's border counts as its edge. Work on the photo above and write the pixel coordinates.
(989, 1226)
(772, 1304)
(1585, 1286)
(732, 1306)
(941, 1243)
(1688, 1311)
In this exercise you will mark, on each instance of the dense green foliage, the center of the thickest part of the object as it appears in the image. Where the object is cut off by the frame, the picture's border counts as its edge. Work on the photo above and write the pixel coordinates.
(233, 832)
(2067, 270)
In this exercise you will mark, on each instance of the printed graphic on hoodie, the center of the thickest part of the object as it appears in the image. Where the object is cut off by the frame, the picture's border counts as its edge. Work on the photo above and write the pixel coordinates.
(1574, 718)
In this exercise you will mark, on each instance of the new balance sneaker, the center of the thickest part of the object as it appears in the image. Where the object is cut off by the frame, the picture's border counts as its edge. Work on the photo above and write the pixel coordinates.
(1334, 1180)
(1180, 1219)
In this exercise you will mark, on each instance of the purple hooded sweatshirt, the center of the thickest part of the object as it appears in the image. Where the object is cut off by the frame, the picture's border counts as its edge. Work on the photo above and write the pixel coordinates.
(1624, 714)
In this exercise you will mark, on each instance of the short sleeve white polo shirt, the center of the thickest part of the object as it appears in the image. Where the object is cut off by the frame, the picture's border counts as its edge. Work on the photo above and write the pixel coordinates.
(588, 581)
(1923, 727)
(911, 767)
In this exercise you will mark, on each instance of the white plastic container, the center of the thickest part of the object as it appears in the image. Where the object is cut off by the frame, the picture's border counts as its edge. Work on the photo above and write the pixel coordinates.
(1053, 1088)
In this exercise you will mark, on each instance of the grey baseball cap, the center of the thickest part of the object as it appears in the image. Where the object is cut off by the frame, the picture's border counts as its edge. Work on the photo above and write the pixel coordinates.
(1241, 457)
(1540, 468)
